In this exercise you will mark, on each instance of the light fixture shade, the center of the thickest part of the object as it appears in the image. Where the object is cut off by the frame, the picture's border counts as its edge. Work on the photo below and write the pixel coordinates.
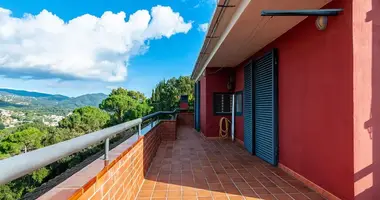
(321, 22)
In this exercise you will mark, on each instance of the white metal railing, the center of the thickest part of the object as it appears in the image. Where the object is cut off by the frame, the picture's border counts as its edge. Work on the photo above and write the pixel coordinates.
(20, 165)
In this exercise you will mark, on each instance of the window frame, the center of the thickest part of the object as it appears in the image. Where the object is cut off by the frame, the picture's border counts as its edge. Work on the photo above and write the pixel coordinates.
(242, 103)
(214, 103)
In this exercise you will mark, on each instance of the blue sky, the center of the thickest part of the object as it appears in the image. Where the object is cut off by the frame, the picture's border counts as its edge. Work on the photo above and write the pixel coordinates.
(73, 47)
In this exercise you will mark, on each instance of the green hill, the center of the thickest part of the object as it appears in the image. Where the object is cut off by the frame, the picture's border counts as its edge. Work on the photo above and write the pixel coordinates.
(48, 103)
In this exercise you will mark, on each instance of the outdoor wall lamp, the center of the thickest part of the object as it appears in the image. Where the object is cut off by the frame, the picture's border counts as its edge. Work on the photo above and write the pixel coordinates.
(322, 14)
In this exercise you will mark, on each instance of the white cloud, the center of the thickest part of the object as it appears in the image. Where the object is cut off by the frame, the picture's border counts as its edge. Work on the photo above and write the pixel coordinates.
(111, 87)
(86, 47)
(203, 27)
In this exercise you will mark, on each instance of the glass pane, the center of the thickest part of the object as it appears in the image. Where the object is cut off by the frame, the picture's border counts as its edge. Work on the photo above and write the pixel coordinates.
(239, 102)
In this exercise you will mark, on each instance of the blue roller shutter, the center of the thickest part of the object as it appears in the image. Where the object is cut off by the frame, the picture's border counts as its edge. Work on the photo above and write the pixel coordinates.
(265, 81)
(248, 108)
(197, 106)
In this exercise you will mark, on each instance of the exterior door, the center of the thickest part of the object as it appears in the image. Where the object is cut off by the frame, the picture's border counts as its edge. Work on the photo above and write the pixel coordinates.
(248, 108)
(265, 101)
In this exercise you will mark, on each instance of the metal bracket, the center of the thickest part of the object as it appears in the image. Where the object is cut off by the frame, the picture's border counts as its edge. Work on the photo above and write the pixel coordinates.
(226, 6)
(319, 12)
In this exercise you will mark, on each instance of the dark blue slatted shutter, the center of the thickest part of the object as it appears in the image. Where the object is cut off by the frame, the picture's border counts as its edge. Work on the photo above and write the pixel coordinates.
(248, 109)
(198, 106)
(195, 104)
(265, 81)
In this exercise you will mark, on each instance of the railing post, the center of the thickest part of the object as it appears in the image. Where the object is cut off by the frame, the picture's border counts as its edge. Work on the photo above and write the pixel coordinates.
(139, 133)
(106, 150)
(151, 123)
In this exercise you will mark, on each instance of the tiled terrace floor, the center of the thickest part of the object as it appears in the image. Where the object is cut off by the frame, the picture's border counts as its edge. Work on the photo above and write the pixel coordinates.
(194, 168)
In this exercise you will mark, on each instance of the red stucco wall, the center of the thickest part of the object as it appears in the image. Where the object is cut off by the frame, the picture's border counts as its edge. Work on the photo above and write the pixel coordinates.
(315, 101)
(366, 46)
(216, 81)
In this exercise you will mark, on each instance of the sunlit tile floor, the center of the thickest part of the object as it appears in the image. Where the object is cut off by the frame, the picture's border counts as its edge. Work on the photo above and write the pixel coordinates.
(194, 168)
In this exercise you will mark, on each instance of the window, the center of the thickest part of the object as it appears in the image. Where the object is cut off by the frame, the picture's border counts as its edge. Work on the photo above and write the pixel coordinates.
(222, 103)
(239, 103)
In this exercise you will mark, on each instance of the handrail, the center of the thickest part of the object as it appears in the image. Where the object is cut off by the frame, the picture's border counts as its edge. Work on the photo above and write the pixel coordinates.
(20, 165)
(161, 113)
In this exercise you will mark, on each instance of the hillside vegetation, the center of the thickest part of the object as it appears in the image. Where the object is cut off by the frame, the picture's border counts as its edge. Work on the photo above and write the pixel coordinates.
(119, 106)
(46, 103)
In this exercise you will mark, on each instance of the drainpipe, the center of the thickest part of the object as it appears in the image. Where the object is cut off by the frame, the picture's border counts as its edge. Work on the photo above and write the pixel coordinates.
(233, 119)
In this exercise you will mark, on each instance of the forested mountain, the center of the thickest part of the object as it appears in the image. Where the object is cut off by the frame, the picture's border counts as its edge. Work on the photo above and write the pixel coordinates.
(26, 100)
(24, 93)
(119, 106)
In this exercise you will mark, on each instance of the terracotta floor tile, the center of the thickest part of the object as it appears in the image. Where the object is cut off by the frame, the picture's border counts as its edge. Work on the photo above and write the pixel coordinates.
(247, 192)
(290, 190)
(228, 185)
(147, 187)
(188, 193)
(216, 187)
(253, 198)
(314, 196)
(261, 191)
(161, 187)
(145, 193)
(214, 193)
(242, 185)
(283, 197)
(275, 190)
(298, 196)
(205, 198)
(255, 184)
(268, 183)
(267, 197)
(304, 189)
(159, 194)
(232, 190)
(235, 197)
(220, 197)
(215, 169)
(174, 194)
(174, 187)
(203, 193)
(189, 198)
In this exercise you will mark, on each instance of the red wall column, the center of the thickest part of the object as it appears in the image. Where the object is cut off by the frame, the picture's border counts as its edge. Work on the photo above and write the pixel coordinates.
(366, 68)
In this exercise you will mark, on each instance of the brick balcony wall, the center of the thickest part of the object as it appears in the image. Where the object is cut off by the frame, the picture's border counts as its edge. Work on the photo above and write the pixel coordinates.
(185, 119)
(168, 130)
(122, 178)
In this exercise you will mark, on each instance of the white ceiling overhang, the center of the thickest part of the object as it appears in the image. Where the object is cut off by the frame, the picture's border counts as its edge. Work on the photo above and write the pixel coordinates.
(242, 31)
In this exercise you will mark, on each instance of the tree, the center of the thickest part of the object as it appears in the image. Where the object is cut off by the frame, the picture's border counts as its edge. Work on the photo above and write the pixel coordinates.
(166, 95)
(56, 134)
(6, 193)
(125, 105)
(86, 119)
(29, 138)
(2, 126)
